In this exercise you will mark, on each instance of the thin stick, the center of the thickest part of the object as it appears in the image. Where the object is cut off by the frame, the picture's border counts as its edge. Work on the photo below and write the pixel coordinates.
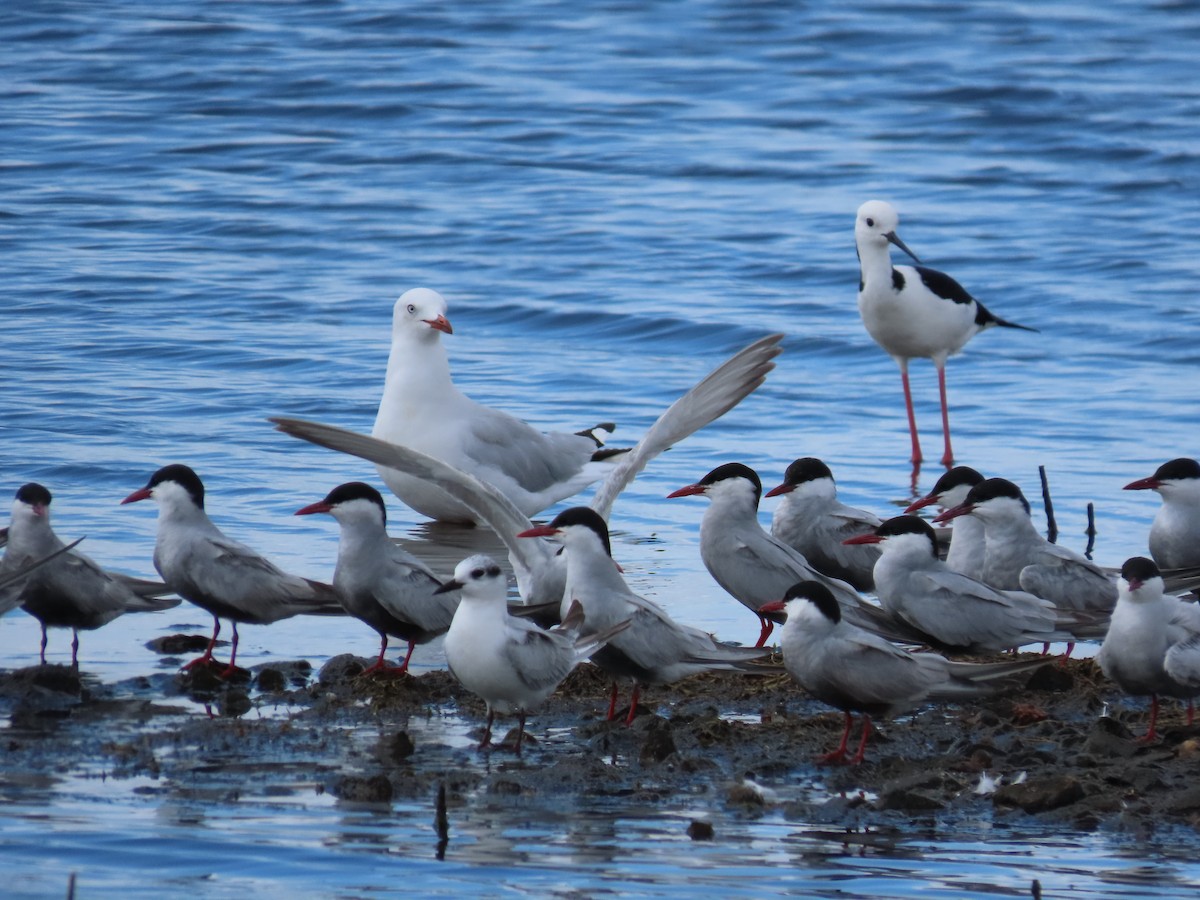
(1091, 530)
(441, 822)
(1051, 524)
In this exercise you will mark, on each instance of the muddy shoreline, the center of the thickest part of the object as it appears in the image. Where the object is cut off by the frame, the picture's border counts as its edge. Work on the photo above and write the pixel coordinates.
(1045, 751)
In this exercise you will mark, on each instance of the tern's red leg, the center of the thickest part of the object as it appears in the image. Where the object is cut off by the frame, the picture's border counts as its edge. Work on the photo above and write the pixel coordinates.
(1070, 649)
(232, 667)
(912, 416)
(839, 755)
(767, 627)
(487, 731)
(862, 745)
(44, 642)
(1191, 711)
(75, 649)
(947, 453)
(520, 730)
(379, 666)
(612, 704)
(633, 702)
(1151, 734)
(206, 658)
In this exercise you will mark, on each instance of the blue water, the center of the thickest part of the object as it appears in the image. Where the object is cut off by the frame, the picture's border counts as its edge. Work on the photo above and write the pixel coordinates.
(207, 210)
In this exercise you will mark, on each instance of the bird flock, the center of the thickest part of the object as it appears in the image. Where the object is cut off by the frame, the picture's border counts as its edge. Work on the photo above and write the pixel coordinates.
(989, 583)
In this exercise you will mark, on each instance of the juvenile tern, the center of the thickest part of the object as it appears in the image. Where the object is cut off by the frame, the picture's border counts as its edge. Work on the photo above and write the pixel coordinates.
(511, 663)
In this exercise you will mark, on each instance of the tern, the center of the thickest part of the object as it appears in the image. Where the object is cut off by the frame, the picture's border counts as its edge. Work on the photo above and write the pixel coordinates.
(1018, 557)
(1153, 641)
(750, 563)
(1175, 533)
(539, 569)
(966, 540)
(422, 408)
(378, 581)
(855, 671)
(811, 520)
(511, 663)
(654, 649)
(68, 590)
(912, 311)
(957, 612)
(220, 575)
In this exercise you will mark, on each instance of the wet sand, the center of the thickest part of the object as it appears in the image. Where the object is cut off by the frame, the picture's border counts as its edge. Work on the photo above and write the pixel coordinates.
(1045, 750)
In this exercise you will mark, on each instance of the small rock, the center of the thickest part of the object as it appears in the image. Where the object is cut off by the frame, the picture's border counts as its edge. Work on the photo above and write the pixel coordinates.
(658, 744)
(1187, 800)
(1041, 794)
(908, 800)
(743, 794)
(506, 788)
(233, 704)
(700, 831)
(179, 644)
(1109, 738)
(1052, 678)
(395, 747)
(341, 669)
(271, 681)
(355, 789)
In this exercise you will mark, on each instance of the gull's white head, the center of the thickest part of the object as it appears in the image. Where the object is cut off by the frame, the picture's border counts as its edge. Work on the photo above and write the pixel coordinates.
(420, 312)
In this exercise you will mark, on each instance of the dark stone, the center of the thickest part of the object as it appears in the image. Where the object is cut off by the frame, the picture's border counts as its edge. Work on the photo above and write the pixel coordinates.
(271, 681)
(233, 704)
(1109, 738)
(908, 800)
(395, 747)
(1187, 800)
(1041, 794)
(658, 744)
(341, 669)
(1052, 678)
(179, 644)
(355, 789)
(506, 788)
(700, 831)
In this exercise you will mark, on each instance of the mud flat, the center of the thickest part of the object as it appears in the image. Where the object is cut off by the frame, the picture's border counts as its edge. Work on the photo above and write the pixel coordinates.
(1063, 749)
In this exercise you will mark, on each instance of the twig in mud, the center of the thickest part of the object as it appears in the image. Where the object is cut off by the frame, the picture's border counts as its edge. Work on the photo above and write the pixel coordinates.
(71, 887)
(441, 822)
(1091, 530)
(1051, 524)
(1035, 890)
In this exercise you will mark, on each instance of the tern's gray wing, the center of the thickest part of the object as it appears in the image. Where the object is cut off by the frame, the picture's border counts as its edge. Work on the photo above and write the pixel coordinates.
(12, 576)
(1182, 663)
(717, 393)
(836, 557)
(860, 670)
(539, 572)
(1068, 580)
(230, 579)
(406, 590)
(540, 659)
(961, 612)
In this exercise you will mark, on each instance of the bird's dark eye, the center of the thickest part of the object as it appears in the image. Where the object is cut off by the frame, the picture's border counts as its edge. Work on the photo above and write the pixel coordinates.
(477, 573)
(493, 571)
(870, 224)
(411, 308)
